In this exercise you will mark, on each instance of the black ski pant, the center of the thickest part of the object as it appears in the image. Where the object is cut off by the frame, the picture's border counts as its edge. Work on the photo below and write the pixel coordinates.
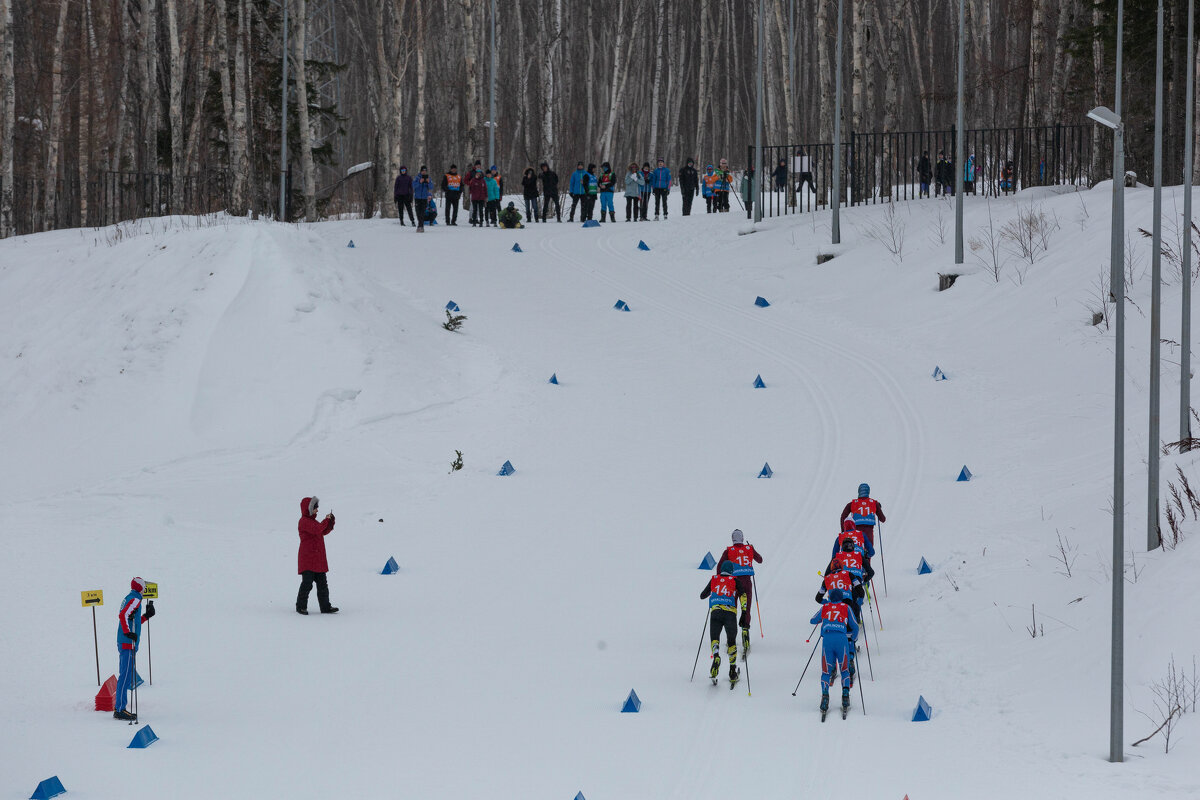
(722, 200)
(688, 196)
(660, 196)
(451, 211)
(719, 620)
(493, 211)
(403, 203)
(745, 596)
(307, 579)
(589, 207)
(547, 199)
(631, 208)
(709, 205)
(531, 203)
(575, 198)
(645, 204)
(421, 206)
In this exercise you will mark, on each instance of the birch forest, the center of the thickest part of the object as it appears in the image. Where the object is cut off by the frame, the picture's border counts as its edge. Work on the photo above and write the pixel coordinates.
(187, 94)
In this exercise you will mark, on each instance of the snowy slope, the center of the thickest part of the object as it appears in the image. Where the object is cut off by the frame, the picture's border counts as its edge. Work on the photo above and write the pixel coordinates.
(175, 387)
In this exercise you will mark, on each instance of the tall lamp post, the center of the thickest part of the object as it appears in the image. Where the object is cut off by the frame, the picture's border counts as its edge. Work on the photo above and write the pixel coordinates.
(492, 91)
(1110, 119)
(1185, 338)
(1152, 538)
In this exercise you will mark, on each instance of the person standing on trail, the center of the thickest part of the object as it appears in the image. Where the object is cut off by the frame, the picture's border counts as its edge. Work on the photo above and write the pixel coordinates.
(550, 193)
(422, 193)
(838, 629)
(689, 185)
(129, 631)
(865, 512)
(576, 189)
(924, 174)
(311, 561)
(660, 182)
(452, 191)
(402, 193)
(743, 556)
(721, 593)
(633, 192)
(606, 182)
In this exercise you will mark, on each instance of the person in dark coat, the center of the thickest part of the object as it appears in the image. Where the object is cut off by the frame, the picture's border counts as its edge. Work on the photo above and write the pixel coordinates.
(943, 175)
(550, 192)
(529, 188)
(646, 190)
(423, 193)
(477, 191)
(452, 184)
(781, 175)
(924, 174)
(402, 193)
(689, 185)
(311, 560)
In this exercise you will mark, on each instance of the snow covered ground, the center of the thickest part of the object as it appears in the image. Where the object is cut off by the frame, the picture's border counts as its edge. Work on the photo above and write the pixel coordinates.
(174, 387)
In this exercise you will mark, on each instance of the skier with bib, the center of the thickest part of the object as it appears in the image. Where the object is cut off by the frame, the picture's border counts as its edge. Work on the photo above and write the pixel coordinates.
(721, 593)
(838, 629)
(743, 556)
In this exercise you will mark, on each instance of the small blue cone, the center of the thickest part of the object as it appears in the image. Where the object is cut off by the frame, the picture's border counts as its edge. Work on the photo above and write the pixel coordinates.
(579, 795)
(761, 302)
(965, 475)
(591, 223)
(621, 306)
(51, 787)
(143, 739)
(452, 306)
(923, 712)
(938, 375)
(507, 469)
(923, 568)
(391, 567)
(633, 703)
(709, 562)
(351, 243)
(758, 383)
(517, 248)
(554, 379)
(766, 471)
(642, 245)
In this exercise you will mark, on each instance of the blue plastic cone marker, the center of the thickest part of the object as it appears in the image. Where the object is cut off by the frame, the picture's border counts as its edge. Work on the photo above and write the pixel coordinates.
(938, 375)
(709, 562)
(351, 243)
(391, 567)
(965, 475)
(51, 787)
(591, 223)
(761, 302)
(507, 469)
(923, 712)
(554, 379)
(758, 383)
(579, 796)
(143, 739)
(517, 248)
(923, 568)
(621, 306)
(632, 703)
(642, 245)
(766, 471)
(452, 306)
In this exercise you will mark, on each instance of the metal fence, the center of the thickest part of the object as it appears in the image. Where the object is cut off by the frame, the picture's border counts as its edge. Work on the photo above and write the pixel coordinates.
(882, 167)
(114, 197)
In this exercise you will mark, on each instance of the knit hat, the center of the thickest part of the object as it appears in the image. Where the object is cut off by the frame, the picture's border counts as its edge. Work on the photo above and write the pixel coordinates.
(834, 596)
(423, 168)
(738, 538)
(848, 525)
(661, 161)
(138, 585)
(727, 567)
(864, 490)
(544, 164)
(848, 544)
(646, 164)
(591, 167)
(313, 502)
(691, 161)
(454, 166)
(511, 204)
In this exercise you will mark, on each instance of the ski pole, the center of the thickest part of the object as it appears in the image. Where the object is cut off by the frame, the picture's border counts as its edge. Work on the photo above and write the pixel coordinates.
(867, 643)
(810, 633)
(873, 608)
(757, 607)
(149, 654)
(861, 701)
(871, 619)
(746, 658)
(882, 561)
(697, 662)
(810, 658)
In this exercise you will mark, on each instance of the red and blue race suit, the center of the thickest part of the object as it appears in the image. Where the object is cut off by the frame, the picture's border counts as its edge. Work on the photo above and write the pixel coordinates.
(837, 626)
(744, 556)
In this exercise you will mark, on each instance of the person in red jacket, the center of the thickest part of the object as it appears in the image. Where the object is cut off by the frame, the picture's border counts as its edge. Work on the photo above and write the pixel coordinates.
(477, 191)
(312, 562)
(721, 593)
(743, 556)
(865, 512)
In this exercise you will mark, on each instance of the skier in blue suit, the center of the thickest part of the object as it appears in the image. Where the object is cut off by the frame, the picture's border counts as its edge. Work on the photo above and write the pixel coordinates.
(838, 629)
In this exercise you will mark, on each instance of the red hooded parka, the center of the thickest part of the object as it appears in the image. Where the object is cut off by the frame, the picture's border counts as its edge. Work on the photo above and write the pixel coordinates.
(312, 541)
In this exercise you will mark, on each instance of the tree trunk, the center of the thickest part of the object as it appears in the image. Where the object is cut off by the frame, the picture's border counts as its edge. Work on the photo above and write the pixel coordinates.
(419, 121)
(1035, 110)
(8, 118)
(550, 46)
(54, 123)
(1061, 62)
(150, 99)
(826, 42)
(620, 73)
(307, 175)
(859, 31)
(660, 23)
(703, 48)
(204, 41)
(472, 63)
(175, 106)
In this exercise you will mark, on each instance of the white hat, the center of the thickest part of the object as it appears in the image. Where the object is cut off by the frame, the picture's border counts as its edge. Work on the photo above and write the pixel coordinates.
(738, 538)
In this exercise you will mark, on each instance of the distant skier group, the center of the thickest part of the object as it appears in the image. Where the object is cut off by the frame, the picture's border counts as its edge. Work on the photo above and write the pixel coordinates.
(846, 584)
(480, 190)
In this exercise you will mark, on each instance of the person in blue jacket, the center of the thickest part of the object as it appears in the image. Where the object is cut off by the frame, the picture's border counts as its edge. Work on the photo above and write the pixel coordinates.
(422, 192)
(129, 630)
(838, 630)
(576, 188)
(660, 182)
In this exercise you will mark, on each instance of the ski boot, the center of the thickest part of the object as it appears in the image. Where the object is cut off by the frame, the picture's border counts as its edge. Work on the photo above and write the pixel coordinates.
(746, 641)
(824, 702)
(125, 716)
(845, 700)
(716, 667)
(852, 671)
(734, 675)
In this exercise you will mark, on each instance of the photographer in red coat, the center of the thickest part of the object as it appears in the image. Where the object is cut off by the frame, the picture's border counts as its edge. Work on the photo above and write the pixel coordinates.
(311, 561)
(743, 556)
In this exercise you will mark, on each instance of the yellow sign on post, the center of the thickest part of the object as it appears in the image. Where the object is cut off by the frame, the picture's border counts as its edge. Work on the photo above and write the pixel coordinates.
(151, 592)
(92, 598)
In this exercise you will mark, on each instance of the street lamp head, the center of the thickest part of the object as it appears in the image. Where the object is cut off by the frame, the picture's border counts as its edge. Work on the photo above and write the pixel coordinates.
(1105, 116)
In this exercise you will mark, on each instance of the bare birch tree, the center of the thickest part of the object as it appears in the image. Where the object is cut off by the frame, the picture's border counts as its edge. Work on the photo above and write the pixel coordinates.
(8, 118)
